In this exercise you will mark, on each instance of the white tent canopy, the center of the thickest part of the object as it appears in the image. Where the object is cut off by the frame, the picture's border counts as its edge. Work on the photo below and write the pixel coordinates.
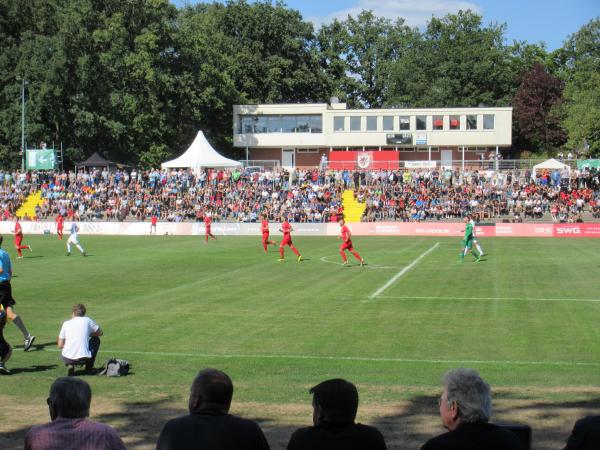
(200, 154)
(551, 164)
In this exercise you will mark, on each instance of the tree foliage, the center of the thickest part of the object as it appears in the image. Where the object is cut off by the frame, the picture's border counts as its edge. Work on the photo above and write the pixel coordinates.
(135, 79)
(581, 69)
(535, 104)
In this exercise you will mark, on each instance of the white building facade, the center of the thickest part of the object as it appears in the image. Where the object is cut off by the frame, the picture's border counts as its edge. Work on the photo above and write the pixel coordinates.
(305, 135)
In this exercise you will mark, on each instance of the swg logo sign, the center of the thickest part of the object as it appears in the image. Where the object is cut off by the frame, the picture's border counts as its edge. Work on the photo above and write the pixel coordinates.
(568, 230)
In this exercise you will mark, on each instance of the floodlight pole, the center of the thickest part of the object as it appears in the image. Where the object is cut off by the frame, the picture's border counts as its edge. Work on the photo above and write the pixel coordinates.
(23, 124)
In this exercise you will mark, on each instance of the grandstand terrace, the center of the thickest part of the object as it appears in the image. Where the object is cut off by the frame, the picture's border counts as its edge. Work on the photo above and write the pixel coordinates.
(312, 196)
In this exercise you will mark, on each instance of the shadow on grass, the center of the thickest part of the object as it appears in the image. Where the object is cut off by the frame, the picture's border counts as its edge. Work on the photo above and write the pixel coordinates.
(139, 423)
(37, 368)
(38, 347)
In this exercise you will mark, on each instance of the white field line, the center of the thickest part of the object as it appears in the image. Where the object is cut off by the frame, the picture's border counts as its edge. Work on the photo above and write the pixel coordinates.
(519, 299)
(402, 272)
(349, 358)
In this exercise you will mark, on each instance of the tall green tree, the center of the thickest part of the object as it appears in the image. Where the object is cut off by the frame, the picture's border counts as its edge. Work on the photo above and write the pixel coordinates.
(465, 62)
(359, 53)
(581, 61)
(241, 52)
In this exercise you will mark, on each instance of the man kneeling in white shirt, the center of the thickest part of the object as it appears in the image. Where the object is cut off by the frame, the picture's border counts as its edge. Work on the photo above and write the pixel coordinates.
(79, 339)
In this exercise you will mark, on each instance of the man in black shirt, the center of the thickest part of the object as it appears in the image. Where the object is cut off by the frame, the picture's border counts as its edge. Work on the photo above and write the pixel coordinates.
(335, 403)
(209, 426)
(585, 434)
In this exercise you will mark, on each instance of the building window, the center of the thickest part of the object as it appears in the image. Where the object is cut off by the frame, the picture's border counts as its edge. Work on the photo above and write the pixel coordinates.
(289, 124)
(371, 123)
(338, 123)
(404, 123)
(246, 124)
(275, 124)
(261, 124)
(303, 125)
(388, 123)
(438, 123)
(455, 122)
(471, 122)
(355, 123)
(421, 122)
(265, 123)
(316, 124)
(488, 121)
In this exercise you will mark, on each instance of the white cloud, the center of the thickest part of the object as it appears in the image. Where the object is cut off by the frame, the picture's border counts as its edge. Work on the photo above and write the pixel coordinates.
(415, 12)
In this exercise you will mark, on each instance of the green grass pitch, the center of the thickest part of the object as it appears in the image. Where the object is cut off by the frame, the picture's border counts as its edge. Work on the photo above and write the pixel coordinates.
(526, 316)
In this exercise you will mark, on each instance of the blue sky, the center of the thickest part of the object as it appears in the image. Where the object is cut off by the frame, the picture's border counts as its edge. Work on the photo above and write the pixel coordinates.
(551, 21)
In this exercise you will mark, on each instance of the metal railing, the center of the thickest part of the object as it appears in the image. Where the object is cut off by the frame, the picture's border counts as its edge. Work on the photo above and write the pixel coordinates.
(266, 163)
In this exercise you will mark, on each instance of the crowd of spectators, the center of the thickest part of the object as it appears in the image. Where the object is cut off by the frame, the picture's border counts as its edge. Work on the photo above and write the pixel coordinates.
(486, 195)
(465, 408)
(305, 195)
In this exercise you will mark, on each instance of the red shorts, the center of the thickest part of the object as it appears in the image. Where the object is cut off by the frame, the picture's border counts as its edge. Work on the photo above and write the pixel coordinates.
(287, 240)
(347, 246)
(207, 231)
(265, 237)
(18, 240)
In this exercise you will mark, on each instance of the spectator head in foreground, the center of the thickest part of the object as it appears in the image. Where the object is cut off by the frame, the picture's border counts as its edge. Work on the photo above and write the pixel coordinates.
(466, 399)
(335, 403)
(209, 424)
(585, 434)
(211, 389)
(69, 398)
(69, 429)
(465, 409)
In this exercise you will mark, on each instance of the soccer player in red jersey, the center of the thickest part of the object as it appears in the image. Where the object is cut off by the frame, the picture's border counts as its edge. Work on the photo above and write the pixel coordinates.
(287, 229)
(153, 222)
(347, 245)
(19, 239)
(264, 228)
(60, 223)
(207, 233)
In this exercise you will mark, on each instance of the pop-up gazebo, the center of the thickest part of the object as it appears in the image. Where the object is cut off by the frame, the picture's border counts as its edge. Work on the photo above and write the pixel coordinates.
(551, 164)
(200, 154)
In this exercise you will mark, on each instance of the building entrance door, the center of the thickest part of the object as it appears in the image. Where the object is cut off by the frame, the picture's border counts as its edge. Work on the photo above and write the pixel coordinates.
(288, 158)
(446, 156)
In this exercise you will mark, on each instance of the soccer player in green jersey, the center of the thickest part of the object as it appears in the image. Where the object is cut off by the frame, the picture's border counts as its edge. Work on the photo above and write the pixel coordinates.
(468, 241)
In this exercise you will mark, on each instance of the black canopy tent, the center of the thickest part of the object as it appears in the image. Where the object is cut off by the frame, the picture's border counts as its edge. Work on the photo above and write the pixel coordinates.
(96, 160)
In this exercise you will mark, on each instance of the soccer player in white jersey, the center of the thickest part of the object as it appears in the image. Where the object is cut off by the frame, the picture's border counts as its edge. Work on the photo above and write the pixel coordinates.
(74, 240)
(475, 240)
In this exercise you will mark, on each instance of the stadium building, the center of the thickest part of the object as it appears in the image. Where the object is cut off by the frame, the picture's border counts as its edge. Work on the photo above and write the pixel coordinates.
(306, 135)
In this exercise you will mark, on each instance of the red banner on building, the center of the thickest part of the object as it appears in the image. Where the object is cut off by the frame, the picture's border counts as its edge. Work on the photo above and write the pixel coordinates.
(353, 160)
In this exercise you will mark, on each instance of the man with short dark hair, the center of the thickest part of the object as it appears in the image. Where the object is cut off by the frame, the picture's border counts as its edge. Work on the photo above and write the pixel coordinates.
(209, 426)
(79, 339)
(585, 434)
(465, 409)
(69, 429)
(335, 403)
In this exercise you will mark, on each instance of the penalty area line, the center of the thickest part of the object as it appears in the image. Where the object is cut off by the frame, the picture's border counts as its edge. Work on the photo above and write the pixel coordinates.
(349, 358)
(402, 272)
(516, 299)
